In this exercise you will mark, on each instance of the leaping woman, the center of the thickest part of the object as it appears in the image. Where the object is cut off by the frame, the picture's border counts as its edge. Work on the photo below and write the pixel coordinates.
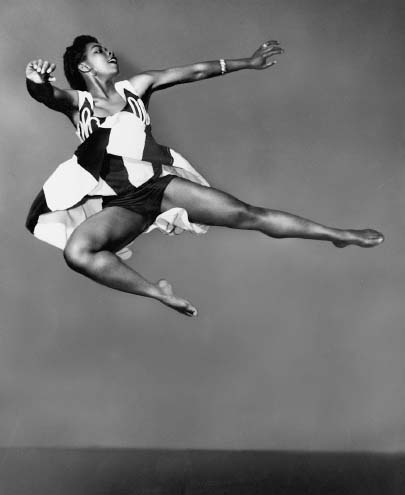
(120, 183)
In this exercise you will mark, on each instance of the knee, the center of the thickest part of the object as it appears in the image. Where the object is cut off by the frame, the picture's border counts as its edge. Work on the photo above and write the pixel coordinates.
(246, 217)
(77, 255)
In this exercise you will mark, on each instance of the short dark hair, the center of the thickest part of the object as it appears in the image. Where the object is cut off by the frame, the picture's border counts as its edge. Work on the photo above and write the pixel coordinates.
(72, 57)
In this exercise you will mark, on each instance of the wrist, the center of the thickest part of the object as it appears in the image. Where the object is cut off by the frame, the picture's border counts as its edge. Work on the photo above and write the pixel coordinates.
(231, 65)
(41, 91)
(249, 63)
(40, 82)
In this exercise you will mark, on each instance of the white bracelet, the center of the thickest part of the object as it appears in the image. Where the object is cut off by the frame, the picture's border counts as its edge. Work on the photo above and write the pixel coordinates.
(222, 63)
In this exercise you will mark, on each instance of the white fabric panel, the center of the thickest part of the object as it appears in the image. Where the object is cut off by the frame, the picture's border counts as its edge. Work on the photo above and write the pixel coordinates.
(182, 165)
(67, 185)
(124, 139)
(52, 233)
(92, 206)
(82, 96)
(56, 227)
(124, 253)
(119, 86)
(109, 121)
(138, 171)
(175, 221)
(102, 189)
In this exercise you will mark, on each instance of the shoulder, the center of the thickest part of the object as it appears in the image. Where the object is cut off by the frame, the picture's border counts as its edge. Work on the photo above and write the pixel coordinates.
(142, 83)
(82, 99)
(136, 86)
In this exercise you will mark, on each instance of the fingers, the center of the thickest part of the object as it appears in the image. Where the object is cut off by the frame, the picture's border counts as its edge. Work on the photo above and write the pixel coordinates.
(270, 42)
(44, 68)
(271, 50)
(271, 53)
(49, 71)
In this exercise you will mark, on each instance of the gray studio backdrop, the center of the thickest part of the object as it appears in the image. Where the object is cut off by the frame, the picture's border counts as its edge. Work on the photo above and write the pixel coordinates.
(298, 345)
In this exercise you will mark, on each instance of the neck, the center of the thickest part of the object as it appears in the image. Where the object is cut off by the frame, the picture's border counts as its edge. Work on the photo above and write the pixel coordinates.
(100, 88)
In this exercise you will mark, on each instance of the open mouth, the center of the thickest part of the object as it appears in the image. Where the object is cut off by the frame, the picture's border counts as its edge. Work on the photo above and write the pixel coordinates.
(113, 61)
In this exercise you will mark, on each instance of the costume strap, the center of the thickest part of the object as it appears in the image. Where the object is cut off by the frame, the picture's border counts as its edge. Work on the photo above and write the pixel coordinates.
(83, 96)
(121, 85)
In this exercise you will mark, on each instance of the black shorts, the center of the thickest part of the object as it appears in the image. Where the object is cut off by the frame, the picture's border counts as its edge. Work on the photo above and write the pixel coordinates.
(145, 200)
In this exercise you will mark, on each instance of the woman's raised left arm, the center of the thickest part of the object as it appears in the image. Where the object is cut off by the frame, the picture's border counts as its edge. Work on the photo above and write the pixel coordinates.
(154, 80)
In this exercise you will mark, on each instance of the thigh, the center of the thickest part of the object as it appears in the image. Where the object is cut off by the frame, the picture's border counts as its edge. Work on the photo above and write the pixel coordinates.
(112, 228)
(205, 205)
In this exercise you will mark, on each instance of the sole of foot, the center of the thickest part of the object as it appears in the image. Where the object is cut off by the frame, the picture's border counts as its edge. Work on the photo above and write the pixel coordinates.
(364, 238)
(177, 303)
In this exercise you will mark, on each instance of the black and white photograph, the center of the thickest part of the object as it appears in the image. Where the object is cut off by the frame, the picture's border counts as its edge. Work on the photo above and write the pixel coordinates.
(202, 247)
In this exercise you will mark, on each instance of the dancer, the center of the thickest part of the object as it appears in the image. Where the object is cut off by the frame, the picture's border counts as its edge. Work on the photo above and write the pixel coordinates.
(121, 183)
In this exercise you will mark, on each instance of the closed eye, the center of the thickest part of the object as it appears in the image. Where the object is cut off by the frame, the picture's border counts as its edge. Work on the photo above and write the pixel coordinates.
(97, 48)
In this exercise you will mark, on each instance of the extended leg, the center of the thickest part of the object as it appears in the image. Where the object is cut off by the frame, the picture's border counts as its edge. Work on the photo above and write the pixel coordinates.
(213, 207)
(90, 251)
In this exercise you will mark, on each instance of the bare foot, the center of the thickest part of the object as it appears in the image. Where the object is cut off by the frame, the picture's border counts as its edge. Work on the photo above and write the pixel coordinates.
(177, 303)
(364, 238)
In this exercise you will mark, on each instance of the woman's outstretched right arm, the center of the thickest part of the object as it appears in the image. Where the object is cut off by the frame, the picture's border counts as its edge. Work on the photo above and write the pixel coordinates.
(38, 76)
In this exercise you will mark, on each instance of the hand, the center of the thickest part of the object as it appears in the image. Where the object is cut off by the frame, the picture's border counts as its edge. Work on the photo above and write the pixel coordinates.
(261, 59)
(40, 71)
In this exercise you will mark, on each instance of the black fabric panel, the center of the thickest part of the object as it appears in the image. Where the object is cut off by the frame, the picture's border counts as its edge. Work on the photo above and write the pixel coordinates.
(115, 174)
(154, 152)
(90, 154)
(138, 111)
(144, 200)
(38, 207)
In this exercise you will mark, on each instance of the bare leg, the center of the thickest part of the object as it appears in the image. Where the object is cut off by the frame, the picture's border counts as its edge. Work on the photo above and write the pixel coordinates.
(90, 251)
(213, 207)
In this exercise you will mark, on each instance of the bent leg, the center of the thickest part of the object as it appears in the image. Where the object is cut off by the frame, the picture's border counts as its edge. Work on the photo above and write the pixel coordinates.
(90, 251)
(214, 207)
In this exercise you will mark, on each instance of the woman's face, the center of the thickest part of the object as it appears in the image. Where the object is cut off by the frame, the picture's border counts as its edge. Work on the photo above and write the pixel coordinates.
(101, 60)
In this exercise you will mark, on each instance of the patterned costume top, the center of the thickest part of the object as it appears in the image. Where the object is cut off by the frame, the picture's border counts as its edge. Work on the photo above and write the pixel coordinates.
(118, 154)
